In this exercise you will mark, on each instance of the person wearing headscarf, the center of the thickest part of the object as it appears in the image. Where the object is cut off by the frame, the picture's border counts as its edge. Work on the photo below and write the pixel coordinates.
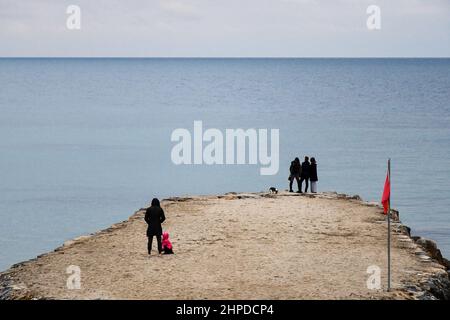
(154, 216)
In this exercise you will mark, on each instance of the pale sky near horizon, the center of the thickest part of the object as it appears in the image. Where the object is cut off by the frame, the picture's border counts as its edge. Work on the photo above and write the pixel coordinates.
(225, 28)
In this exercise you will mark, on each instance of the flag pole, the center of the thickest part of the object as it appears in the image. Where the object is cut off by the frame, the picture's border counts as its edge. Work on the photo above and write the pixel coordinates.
(389, 228)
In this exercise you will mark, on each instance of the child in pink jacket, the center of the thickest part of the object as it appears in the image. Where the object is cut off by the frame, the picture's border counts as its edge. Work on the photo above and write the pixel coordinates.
(166, 244)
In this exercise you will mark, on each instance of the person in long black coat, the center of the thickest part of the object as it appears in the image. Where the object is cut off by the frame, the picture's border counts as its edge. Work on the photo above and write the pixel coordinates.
(295, 171)
(305, 174)
(313, 175)
(154, 216)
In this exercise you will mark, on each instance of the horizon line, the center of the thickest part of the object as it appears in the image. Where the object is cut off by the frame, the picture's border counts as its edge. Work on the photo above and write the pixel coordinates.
(219, 57)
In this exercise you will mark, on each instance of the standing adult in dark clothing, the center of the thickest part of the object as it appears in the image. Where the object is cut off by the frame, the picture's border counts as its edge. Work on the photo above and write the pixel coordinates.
(295, 171)
(313, 175)
(305, 174)
(154, 216)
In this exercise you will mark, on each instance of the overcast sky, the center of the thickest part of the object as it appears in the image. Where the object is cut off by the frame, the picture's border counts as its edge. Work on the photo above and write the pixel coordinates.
(223, 28)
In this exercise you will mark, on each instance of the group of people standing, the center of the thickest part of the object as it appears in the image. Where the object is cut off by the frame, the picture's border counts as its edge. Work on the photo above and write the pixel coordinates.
(306, 171)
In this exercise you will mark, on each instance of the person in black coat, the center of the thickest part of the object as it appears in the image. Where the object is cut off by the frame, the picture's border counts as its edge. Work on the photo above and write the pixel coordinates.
(305, 174)
(154, 216)
(313, 175)
(295, 170)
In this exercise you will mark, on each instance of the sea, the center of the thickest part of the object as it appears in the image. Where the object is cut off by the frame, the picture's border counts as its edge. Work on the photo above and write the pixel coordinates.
(85, 142)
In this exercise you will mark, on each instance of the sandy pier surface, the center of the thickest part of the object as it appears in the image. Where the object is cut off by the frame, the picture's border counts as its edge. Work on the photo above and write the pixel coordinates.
(238, 246)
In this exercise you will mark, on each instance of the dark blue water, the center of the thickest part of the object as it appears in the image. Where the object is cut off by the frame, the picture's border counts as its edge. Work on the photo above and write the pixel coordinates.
(85, 142)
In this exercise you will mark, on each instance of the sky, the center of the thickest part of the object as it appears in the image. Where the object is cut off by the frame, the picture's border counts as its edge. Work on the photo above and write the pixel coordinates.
(225, 28)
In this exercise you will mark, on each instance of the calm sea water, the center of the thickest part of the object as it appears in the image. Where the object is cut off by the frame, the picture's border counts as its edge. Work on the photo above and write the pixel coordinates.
(86, 142)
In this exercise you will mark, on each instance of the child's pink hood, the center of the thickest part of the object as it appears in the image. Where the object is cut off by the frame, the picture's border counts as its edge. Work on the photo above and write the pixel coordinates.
(165, 241)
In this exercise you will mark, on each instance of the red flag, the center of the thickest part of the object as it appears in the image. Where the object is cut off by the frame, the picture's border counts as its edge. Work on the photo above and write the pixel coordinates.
(386, 194)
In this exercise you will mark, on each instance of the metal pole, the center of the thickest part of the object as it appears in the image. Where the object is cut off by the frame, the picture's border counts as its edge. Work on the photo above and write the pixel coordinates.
(389, 228)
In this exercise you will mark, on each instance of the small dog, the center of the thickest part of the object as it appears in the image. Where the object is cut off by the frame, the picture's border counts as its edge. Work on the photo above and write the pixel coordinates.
(273, 190)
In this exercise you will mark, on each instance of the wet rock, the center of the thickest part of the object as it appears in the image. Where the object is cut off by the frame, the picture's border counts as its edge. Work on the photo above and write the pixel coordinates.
(439, 286)
(405, 230)
(446, 263)
(431, 248)
(395, 215)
